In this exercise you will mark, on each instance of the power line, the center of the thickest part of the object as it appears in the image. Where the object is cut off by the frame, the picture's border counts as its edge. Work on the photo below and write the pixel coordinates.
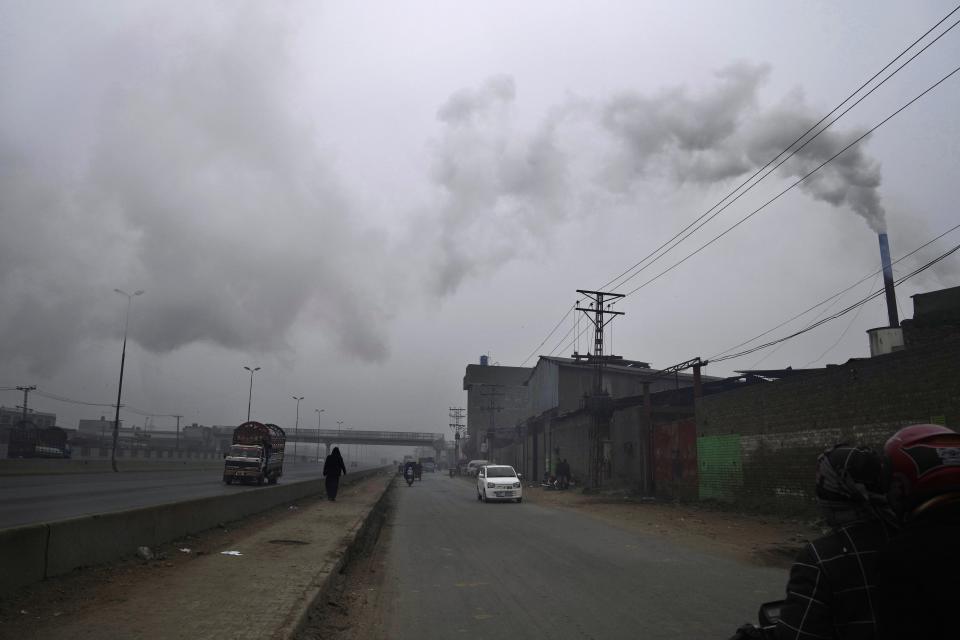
(836, 295)
(795, 184)
(761, 170)
(838, 314)
(58, 398)
(128, 408)
(564, 339)
(843, 333)
(791, 154)
(552, 331)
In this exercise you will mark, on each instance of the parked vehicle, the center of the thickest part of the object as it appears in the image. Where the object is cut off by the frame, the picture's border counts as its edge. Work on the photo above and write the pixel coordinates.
(498, 482)
(474, 466)
(256, 453)
(27, 441)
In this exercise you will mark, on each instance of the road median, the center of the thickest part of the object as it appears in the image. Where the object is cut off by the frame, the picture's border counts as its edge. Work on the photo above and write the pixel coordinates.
(50, 549)
(63, 467)
(257, 579)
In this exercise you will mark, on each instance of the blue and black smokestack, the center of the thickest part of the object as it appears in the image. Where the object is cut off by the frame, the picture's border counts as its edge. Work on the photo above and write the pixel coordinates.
(888, 281)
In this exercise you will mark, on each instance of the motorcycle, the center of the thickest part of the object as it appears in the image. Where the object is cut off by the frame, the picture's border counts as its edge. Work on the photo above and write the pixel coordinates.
(408, 475)
(768, 616)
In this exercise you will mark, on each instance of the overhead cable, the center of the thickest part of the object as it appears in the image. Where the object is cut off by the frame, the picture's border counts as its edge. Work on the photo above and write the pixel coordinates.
(552, 331)
(838, 314)
(796, 183)
(720, 204)
(836, 295)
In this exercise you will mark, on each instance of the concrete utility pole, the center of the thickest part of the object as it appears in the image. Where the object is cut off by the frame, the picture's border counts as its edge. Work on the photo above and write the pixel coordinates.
(178, 430)
(250, 394)
(319, 411)
(296, 427)
(600, 403)
(26, 399)
(123, 358)
(456, 413)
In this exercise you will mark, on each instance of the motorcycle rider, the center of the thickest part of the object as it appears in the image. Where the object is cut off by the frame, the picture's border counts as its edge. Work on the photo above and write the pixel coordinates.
(409, 471)
(832, 589)
(919, 569)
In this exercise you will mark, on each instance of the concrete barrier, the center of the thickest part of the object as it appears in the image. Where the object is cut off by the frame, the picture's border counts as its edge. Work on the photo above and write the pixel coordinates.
(55, 467)
(23, 556)
(29, 554)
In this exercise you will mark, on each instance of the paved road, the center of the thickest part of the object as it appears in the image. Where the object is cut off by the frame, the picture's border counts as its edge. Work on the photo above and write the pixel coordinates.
(42, 498)
(456, 567)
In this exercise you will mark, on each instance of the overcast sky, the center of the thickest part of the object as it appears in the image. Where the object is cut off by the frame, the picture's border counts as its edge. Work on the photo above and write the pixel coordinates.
(362, 198)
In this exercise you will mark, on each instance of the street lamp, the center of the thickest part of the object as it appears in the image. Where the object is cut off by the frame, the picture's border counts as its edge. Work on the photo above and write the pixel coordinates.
(123, 358)
(250, 395)
(319, 411)
(296, 427)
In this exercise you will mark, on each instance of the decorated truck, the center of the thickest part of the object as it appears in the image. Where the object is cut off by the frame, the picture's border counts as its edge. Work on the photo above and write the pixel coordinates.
(256, 453)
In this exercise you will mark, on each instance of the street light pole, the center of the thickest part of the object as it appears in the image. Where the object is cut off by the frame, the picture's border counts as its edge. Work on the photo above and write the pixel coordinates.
(296, 427)
(319, 411)
(123, 358)
(250, 394)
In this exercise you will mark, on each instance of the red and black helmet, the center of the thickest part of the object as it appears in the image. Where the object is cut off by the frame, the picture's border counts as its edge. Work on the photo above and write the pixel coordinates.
(922, 467)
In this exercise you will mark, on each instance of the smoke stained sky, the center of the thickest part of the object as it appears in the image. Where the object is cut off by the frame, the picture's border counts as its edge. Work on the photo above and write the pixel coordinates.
(362, 199)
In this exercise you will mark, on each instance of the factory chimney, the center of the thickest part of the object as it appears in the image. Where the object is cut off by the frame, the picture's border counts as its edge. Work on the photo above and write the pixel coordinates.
(888, 281)
(884, 340)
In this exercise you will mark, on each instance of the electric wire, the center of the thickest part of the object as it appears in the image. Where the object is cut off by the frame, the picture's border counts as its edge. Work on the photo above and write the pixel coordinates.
(761, 169)
(836, 295)
(842, 334)
(562, 341)
(59, 398)
(794, 152)
(552, 331)
(794, 184)
(838, 314)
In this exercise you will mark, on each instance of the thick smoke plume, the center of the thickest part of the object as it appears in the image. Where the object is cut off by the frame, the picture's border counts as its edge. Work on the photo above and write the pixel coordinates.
(177, 169)
(500, 189)
(503, 190)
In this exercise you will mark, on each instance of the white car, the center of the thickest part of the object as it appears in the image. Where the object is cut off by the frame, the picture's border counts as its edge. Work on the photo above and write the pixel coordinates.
(498, 482)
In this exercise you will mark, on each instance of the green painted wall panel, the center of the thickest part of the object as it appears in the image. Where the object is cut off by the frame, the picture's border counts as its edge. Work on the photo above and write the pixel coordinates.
(719, 465)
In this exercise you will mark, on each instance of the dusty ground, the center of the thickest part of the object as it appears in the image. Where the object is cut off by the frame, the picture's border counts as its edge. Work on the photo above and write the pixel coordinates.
(350, 610)
(87, 589)
(765, 540)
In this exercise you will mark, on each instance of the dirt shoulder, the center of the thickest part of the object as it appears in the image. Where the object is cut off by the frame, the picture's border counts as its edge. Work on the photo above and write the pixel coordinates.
(192, 589)
(764, 540)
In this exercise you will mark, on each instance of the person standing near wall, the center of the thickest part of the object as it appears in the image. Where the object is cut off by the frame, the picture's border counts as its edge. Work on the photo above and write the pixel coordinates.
(333, 466)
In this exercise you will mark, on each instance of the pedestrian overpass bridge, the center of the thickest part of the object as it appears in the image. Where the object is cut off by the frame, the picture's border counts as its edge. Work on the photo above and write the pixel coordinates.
(330, 437)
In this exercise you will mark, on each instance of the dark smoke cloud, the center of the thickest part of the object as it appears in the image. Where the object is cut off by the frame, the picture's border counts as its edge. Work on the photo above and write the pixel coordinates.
(724, 133)
(502, 190)
(187, 177)
(499, 189)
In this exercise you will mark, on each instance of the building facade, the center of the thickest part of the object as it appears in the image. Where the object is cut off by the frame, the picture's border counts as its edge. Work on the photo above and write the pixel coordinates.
(497, 399)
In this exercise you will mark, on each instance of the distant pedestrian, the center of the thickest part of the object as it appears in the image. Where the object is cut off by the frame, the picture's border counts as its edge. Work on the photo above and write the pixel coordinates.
(332, 468)
(564, 474)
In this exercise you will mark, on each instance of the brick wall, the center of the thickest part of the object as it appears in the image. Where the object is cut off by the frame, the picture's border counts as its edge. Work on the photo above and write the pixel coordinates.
(782, 426)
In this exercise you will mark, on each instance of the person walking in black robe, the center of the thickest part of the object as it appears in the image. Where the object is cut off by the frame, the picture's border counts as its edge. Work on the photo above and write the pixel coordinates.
(332, 468)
